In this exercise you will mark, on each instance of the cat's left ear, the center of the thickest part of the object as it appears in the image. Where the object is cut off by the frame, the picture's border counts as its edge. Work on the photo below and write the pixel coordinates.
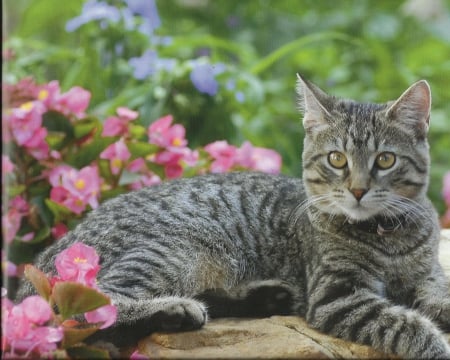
(412, 109)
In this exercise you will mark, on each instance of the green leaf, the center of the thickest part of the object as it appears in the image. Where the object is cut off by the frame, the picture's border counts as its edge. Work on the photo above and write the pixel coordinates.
(39, 281)
(75, 298)
(60, 212)
(74, 335)
(85, 126)
(137, 131)
(15, 190)
(88, 153)
(142, 149)
(87, 352)
(61, 130)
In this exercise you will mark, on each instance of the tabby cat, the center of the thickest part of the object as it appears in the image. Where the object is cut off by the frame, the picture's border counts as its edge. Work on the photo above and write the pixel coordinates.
(353, 247)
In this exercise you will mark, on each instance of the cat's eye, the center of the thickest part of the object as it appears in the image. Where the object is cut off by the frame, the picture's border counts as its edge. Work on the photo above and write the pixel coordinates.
(385, 160)
(337, 159)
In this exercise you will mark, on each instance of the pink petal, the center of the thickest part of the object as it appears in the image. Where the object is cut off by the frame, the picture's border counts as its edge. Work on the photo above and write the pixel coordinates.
(36, 309)
(106, 314)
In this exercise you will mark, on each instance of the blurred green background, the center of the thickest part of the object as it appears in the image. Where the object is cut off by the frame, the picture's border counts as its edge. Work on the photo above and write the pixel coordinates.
(362, 49)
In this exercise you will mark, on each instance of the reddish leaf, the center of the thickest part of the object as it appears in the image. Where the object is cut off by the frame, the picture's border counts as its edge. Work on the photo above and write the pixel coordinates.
(74, 298)
(73, 336)
(39, 280)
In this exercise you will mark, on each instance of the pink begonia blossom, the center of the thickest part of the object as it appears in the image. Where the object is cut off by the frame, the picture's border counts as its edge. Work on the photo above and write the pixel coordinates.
(36, 309)
(173, 158)
(62, 196)
(106, 314)
(8, 267)
(145, 180)
(75, 101)
(161, 133)
(59, 230)
(256, 158)
(116, 153)
(25, 125)
(7, 165)
(25, 332)
(17, 209)
(75, 188)
(78, 263)
(28, 237)
(224, 156)
(446, 188)
(136, 165)
(118, 125)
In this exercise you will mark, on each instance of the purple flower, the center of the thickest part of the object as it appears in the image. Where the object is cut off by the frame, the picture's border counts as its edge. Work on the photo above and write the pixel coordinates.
(147, 9)
(149, 63)
(203, 77)
(93, 10)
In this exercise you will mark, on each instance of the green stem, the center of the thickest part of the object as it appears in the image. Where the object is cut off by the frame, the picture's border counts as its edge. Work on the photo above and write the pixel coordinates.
(284, 50)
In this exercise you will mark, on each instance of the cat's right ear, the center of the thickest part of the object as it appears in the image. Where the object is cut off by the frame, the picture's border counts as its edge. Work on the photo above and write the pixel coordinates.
(311, 104)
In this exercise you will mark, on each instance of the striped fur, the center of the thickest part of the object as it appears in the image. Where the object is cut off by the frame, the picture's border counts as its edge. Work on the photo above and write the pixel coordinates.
(251, 244)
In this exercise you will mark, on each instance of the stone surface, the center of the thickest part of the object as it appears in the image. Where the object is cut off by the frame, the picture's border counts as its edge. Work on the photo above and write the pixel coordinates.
(280, 337)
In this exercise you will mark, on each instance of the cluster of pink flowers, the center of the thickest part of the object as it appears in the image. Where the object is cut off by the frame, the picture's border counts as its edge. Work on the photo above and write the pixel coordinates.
(73, 188)
(174, 151)
(78, 189)
(24, 123)
(227, 157)
(25, 330)
(31, 327)
(11, 221)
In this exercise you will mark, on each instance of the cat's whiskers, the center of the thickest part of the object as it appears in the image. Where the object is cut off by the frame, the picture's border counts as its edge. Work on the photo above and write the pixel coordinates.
(398, 206)
(305, 205)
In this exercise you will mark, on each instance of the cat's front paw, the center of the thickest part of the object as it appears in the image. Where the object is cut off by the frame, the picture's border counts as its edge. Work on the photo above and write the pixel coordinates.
(268, 297)
(180, 315)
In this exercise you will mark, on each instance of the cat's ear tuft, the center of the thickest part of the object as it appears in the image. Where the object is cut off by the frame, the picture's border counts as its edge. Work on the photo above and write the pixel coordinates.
(412, 108)
(311, 104)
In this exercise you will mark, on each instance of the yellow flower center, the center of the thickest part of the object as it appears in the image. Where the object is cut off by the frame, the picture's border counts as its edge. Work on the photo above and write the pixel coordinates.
(80, 184)
(43, 94)
(79, 260)
(27, 106)
(177, 142)
(116, 163)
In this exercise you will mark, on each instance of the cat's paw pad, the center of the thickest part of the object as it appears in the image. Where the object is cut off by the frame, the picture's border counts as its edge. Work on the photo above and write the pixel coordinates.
(270, 297)
(181, 315)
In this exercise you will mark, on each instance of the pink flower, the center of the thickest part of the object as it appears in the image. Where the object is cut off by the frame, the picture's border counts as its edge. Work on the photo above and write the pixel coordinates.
(75, 189)
(106, 314)
(75, 101)
(446, 189)
(145, 180)
(25, 332)
(161, 133)
(62, 196)
(18, 208)
(173, 159)
(118, 126)
(36, 309)
(136, 165)
(116, 153)
(260, 159)
(78, 263)
(59, 230)
(224, 155)
(26, 128)
(7, 165)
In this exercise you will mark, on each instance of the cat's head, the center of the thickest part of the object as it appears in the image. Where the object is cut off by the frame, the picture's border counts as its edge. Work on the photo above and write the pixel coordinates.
(365, 160)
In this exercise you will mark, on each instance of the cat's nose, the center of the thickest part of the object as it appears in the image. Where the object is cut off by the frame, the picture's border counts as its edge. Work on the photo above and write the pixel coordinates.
(358, 193)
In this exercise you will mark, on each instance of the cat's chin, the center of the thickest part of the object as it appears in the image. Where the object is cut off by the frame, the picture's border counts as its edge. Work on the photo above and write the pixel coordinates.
(358, 215)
